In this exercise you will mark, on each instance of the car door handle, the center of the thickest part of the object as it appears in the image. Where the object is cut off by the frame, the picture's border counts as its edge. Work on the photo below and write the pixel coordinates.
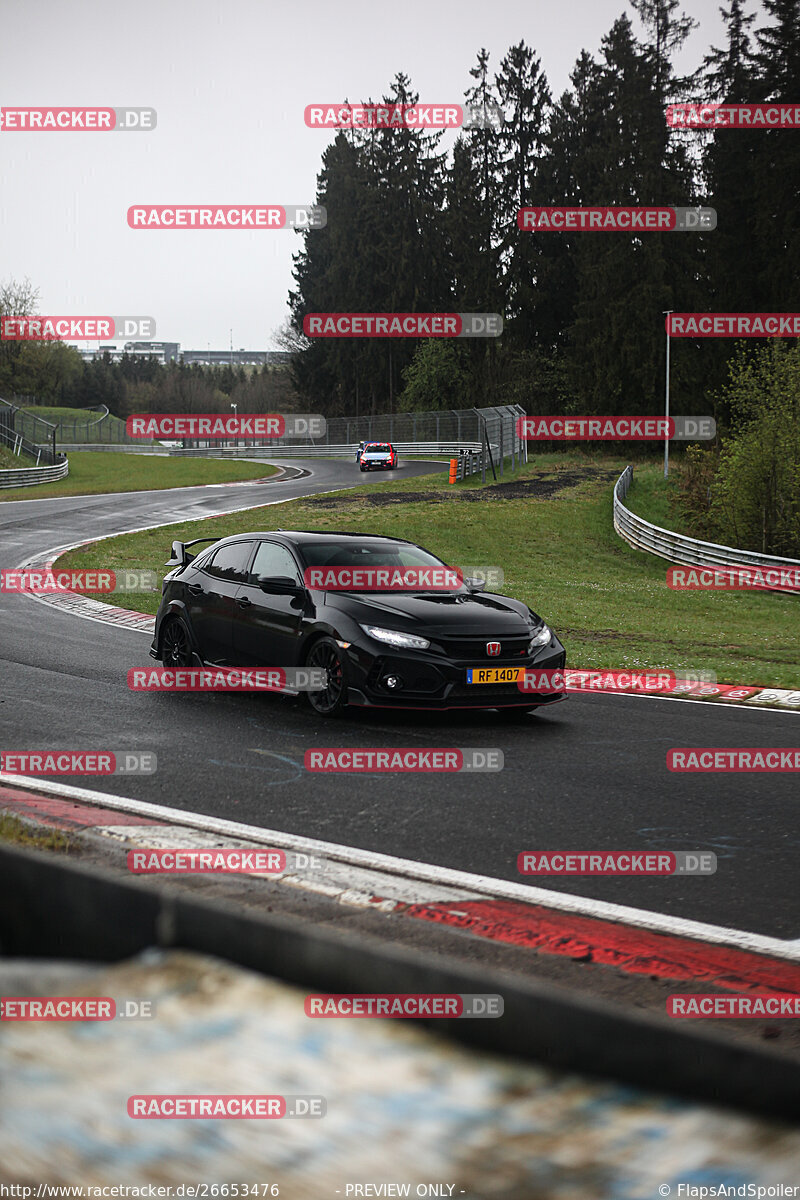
(194, 588)
(244, 602)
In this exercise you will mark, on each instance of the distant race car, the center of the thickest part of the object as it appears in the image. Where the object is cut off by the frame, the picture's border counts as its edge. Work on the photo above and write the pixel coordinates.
(361, 446)
(243, 602)
(378, 456)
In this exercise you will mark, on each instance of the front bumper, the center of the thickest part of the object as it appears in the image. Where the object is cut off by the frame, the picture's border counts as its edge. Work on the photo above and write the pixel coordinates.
(433, 681)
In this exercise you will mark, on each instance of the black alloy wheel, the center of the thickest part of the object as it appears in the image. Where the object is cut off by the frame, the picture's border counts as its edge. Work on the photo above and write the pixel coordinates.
(327, 655)
(176, 649)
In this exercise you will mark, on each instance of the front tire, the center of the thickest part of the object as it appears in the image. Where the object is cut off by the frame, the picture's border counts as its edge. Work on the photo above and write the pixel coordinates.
(176, 647)
(328, 655)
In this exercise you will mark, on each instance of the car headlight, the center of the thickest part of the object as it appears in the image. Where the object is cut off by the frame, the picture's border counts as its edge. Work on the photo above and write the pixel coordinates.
(393, 637)
(540, 638)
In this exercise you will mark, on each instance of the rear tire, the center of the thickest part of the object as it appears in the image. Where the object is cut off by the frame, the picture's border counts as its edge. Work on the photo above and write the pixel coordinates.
(327, 654)
(176, 646)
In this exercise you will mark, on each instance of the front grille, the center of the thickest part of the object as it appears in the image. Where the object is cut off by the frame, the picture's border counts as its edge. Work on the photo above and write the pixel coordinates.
(473, 650)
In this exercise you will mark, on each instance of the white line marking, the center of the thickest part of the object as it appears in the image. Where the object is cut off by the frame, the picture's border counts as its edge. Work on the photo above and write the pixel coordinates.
(416, 871)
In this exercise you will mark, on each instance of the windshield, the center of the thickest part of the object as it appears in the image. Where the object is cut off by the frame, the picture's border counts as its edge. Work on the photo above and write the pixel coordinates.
(372, 555)
(379, 449)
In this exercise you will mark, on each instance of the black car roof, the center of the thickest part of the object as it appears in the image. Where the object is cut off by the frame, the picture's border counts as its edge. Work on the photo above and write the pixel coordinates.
(313, 535)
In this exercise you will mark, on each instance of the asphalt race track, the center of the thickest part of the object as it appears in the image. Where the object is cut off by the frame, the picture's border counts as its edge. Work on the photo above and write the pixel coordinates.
(588, 774)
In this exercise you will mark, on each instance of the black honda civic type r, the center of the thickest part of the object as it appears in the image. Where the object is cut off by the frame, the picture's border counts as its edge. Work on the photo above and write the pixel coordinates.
(243, 602)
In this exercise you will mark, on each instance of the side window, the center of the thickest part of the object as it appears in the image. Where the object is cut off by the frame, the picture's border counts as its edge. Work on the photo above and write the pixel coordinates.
(230, 562)
(272, 560)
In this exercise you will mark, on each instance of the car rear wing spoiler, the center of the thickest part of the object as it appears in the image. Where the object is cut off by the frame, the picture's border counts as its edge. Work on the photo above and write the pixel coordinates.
(179, 556)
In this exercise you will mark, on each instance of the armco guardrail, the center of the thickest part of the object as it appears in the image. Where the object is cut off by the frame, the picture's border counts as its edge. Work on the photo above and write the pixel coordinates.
(278, 450)
(30, 476)
(676, 547)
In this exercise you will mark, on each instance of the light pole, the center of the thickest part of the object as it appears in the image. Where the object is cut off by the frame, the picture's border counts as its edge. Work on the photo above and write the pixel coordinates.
(667, 313)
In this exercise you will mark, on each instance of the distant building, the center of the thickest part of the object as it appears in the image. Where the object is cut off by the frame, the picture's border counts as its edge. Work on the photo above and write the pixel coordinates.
(165, 352)
(236, 358)
(162, 351)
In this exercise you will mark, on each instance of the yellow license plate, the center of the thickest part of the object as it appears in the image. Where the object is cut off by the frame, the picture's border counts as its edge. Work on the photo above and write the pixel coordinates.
(495, 674)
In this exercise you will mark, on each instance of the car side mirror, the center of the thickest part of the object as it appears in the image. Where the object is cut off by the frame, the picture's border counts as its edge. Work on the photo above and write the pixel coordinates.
(473, 585)
(280, 585)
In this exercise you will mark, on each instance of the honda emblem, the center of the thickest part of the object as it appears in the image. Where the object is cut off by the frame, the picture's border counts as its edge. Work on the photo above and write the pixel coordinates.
(492, 648)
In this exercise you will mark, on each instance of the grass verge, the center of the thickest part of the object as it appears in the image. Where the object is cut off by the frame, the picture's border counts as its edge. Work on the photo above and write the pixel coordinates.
(13, 462)
(94, 471)
(550, 529)
(21, 834)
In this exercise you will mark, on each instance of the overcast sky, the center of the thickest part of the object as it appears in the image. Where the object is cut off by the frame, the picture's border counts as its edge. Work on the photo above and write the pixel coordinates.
(230, 80)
